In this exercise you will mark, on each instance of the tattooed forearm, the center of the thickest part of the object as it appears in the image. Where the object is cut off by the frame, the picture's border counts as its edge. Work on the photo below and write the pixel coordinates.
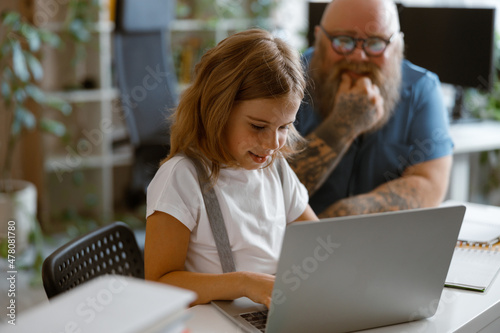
(396, 195)
(314, 164)
(352, 115)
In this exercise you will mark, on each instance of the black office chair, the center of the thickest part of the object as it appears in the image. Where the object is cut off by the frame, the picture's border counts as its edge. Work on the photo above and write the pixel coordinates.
(147, 83)
(111, 249)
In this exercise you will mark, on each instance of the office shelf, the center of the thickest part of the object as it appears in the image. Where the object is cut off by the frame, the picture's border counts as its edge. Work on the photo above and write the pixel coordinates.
(192, 37)
(85, 95)
(82, 165)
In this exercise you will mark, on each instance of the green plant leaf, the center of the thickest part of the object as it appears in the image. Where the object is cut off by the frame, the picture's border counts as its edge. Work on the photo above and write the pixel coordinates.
(15, 128)
(53, 126)
(7, 74)
(5, 49)
(50, 38)
(34, 66)
(10, 18)
(20, 95)
(31, 34)
(17, 122)
(79, 31)
(19, 62)
(35, 93)
(59, 104)
(6, 91)
(24, 117)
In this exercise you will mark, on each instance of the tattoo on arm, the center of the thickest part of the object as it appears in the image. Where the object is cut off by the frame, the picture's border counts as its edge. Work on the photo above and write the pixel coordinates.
(314, 164)
(395, 195)
(353, 114)
(331, 140)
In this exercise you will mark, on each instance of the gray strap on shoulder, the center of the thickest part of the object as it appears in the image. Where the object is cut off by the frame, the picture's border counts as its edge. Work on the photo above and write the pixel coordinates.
(279, 167)
(216, 220)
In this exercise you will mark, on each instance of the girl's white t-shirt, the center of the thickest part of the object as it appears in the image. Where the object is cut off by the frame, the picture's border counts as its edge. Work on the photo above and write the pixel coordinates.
(255, 205)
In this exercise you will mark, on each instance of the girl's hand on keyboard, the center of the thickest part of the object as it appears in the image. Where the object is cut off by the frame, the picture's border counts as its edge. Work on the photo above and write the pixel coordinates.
(259, 287)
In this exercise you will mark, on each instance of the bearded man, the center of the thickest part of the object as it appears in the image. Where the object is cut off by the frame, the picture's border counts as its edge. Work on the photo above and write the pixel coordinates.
(377, 129)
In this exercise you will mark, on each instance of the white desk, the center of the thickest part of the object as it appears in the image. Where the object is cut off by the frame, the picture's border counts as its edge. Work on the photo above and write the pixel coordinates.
(458, 311)
(469, 138)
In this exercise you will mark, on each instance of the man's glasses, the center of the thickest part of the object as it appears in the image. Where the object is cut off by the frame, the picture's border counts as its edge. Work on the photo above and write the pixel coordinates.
(345, 45)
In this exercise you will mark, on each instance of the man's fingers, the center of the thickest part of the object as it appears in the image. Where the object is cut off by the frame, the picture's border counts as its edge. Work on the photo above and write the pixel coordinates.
(363, 84)
(377, 100)
(345, 83)
(374, 93)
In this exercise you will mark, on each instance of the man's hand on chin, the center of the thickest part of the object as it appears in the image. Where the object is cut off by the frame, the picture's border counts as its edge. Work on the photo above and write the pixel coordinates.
(358, 103)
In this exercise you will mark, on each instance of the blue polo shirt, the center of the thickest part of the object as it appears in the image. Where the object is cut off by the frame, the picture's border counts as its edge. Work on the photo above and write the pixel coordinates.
(418, 131)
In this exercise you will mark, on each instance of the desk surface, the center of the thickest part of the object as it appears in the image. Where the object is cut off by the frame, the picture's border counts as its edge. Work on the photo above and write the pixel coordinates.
(457, 311)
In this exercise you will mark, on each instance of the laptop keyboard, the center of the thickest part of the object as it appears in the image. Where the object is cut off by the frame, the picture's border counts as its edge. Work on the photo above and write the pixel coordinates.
(257, 319)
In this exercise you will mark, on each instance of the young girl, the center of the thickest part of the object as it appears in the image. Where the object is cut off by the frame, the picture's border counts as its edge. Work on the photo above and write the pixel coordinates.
(237, 120)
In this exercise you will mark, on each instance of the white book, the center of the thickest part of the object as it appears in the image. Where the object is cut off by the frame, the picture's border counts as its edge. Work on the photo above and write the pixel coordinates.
(111, 303)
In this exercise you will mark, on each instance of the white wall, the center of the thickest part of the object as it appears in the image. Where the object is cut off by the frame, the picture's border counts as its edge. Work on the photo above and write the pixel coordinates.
(291, 20)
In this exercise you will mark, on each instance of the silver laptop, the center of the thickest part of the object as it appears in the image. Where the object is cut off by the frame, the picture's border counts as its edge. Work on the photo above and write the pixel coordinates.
(357, 272)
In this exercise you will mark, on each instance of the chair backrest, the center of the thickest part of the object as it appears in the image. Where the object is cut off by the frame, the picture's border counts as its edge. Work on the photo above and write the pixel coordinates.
(111, 249)
(147, 82)
(144, 68)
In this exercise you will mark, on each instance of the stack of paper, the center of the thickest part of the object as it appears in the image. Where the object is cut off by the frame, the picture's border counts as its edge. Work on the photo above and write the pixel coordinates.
(475, 262)
(112, 304)
(473, 269)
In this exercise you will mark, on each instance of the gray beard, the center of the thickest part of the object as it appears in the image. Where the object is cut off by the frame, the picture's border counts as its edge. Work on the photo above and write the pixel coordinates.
(323, 85)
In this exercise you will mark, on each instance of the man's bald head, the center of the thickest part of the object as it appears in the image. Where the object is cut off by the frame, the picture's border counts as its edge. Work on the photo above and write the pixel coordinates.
(365, 16)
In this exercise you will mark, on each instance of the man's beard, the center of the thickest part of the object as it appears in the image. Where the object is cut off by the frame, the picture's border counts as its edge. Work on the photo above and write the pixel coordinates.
(324, 84)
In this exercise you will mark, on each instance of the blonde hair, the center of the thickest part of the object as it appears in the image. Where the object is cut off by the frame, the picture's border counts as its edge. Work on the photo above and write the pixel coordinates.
(252, 64)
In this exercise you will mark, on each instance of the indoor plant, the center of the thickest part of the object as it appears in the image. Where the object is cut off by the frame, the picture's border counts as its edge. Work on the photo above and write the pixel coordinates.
(79, 21)
(20, 102)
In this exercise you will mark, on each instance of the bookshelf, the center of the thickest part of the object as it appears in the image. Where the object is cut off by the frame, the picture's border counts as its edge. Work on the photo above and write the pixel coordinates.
(80, 169)
(200, 25)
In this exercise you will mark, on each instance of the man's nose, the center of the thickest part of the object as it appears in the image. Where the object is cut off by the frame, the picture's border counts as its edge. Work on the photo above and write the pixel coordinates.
(359, 52)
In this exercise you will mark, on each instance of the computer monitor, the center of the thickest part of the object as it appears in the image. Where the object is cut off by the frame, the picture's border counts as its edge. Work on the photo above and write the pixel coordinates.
(315, 11)
(456, 43)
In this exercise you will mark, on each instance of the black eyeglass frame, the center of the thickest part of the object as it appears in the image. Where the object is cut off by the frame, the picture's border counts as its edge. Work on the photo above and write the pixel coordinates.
(356, 41)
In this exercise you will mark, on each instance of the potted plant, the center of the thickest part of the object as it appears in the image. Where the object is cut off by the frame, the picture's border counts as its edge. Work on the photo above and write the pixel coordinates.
(20, 100)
